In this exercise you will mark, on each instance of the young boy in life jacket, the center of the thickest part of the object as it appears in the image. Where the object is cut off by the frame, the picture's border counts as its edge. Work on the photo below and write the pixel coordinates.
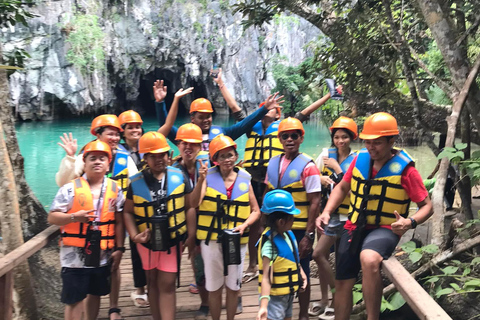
(281, 275)
(87, 209)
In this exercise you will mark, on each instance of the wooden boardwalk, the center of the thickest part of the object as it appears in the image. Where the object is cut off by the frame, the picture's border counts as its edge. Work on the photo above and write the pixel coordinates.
(187, 303)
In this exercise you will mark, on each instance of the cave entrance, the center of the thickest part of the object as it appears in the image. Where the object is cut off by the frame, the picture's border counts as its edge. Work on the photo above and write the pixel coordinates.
(172, 79)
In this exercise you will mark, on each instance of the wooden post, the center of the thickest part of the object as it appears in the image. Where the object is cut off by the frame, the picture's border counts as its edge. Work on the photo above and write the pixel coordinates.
(6, 298)
(418, 299)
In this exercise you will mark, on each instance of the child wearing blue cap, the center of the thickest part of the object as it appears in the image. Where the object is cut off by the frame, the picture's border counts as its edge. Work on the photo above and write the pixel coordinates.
(281, 275)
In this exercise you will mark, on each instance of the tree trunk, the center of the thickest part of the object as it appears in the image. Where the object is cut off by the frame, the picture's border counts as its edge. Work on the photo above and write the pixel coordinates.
(454, 55)
(439, 189)
(11, 224)
(464, 183)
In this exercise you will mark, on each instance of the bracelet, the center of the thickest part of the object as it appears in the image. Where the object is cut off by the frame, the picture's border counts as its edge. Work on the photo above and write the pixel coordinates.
(264, 297)
(119, 249)
(221, 87)
(72, 216)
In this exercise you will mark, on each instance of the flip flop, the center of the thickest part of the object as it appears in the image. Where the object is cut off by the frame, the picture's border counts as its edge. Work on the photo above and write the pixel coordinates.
(193, 288)
(249, 276)
(134, 296)
(328, 314)
(316, 309)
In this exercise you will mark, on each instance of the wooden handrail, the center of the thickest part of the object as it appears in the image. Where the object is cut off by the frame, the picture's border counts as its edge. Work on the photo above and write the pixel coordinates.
(417, 298)
(26, 250)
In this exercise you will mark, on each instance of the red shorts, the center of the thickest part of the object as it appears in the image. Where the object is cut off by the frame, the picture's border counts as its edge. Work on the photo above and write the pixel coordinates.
(161, 260)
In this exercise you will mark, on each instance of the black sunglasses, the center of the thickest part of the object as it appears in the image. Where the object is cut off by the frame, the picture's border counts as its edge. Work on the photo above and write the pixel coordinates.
(294, 136)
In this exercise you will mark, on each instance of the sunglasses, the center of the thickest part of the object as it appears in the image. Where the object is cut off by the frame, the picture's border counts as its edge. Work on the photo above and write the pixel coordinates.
(294, 136)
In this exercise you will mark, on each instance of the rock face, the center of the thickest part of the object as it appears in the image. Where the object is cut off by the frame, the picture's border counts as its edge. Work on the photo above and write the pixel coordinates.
(110, 65)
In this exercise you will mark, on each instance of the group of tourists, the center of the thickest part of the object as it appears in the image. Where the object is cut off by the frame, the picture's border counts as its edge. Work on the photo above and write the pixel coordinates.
(275, 203)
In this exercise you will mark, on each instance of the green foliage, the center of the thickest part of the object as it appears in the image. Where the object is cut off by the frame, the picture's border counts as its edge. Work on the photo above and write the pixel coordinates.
(287, 20)
(393, 302)
(458, 277)
(416, 254)
(198, 27)
(86, 40)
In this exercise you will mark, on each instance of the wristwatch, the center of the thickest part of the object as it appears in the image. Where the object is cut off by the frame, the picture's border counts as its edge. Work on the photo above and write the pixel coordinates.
(414, 223)
(310, 235)
(119, 249)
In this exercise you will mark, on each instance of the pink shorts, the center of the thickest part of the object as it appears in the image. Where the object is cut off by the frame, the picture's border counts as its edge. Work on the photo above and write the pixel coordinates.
(160, 260)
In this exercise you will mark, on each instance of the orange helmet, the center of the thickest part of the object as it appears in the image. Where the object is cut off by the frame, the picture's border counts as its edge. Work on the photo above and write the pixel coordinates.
(105, 120)
(220, 142)
(189, 132)
(129, 116)
(345, 123)
(97, 145)
(201, 105)
(380, 124)
(279, 110)
(153, 142)
(290, 124)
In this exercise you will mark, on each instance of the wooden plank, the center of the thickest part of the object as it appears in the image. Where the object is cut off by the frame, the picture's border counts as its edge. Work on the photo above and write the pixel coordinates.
(6, 296)
(22, 253)
(417, 298)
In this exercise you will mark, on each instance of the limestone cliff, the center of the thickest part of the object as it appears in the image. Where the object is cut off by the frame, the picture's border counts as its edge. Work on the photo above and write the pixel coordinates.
(91, 57)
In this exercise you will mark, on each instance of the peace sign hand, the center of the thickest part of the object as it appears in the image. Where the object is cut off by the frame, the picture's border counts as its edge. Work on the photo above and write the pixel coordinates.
(202, 171)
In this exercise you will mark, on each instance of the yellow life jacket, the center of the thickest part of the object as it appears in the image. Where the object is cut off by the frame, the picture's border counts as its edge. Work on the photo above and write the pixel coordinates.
(216, 212)
(383, 194)
(119, 170)
(292, 182)
(262, 146)
(144, 205)
(74, 233)
(326, 171)
(286, 272)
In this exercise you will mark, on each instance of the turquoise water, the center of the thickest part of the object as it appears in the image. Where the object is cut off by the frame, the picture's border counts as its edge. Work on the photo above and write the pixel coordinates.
(38, 144)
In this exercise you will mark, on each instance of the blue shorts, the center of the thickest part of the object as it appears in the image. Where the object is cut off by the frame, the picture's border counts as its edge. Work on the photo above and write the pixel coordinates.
(280, 307)
(305, 262)
(334, 228)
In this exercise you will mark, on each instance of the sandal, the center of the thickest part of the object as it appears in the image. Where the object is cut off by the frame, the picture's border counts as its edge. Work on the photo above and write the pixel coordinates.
(115, 310)
(202, 313)
(135, 296)
(249, 276)
(316, 309)
(328, 314)
(193, 288)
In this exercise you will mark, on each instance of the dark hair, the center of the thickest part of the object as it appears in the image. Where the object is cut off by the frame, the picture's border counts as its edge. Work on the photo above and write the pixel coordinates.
(215, 156)
(274, 216)
(334, 130)
(122, 133)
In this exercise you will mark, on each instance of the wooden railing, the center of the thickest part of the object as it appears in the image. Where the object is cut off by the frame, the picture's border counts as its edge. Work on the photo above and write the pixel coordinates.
(417, 298)
(13, 259)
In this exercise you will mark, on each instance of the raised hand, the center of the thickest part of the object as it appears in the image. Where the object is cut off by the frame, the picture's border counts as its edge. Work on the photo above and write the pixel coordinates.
(202, 171)
(181, 93)
(218, 80)
(159, 90)
(68, 144)
(273, 101)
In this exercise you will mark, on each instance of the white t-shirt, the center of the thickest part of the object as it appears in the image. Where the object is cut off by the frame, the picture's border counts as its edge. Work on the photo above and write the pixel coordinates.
(72, 257)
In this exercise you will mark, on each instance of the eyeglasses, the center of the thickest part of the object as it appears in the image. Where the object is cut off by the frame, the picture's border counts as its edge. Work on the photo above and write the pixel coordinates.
(294, 136)
(227, 156)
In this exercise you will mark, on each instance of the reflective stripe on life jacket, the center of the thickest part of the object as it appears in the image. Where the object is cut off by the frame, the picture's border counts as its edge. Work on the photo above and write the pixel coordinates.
(74, 233)
(144, 206)
(216, 212)
(292, 182)
(286, 273)
(262, 146)
(384, 193)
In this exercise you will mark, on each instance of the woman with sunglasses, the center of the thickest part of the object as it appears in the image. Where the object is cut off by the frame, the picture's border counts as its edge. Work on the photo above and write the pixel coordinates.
(226, 202)
(333, 163)
(296, 173)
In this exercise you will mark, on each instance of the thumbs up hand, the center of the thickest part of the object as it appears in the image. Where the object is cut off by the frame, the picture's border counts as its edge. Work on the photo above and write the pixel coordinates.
(400, 226)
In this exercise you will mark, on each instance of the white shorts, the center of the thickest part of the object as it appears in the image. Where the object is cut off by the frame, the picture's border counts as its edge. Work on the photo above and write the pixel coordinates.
(213, 263)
